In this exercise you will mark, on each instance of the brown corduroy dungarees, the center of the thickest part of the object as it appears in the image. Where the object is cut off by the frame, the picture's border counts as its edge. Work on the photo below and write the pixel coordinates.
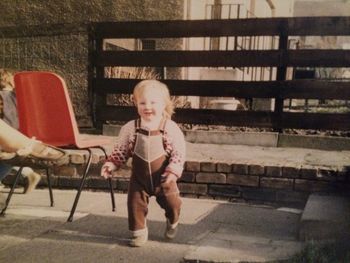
(148, 166)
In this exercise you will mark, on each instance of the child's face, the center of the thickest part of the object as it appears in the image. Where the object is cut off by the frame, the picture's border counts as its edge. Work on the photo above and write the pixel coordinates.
(150, 105)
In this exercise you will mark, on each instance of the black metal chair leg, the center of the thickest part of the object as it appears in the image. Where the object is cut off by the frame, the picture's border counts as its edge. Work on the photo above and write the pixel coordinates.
(11, 191)
(52, 203)
(112, 193)
(110, 182)
(70, 218)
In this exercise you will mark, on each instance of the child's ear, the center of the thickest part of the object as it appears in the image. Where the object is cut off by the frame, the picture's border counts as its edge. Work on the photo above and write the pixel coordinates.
(133, 99)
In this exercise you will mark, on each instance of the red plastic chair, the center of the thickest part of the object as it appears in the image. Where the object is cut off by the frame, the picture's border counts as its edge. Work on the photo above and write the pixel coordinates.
(45, 112)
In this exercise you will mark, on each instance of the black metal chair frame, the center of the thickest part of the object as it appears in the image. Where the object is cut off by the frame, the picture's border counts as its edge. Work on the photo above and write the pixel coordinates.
(18, 174)
(83, 179)
(80, 188)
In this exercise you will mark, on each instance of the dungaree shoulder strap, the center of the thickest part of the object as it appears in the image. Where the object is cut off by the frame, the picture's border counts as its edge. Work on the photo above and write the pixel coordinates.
(162, 125)
(137, 125)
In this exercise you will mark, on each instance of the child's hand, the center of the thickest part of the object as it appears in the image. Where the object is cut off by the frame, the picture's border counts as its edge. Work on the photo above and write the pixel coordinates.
(107, 169)
(168, 177)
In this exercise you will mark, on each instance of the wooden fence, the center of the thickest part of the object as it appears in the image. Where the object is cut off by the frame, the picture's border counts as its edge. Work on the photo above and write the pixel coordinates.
(281, 58)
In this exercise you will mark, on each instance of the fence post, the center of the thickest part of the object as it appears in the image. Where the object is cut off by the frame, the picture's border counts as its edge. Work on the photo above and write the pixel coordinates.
(281, 76)
(98, 100)
(91, 70)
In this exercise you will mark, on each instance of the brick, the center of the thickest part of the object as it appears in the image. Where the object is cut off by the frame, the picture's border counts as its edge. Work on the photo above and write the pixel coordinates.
(240, 168)
(208, 167)
(95, 158)
(341, 176)
(66, 170)
(198, 189)
(10, 179)
(102, 158)
(277, 183)
(191, 166)
(344, 187)
(206, 197)
(223, 167)
(308, 173)
(290, 172)
(273, 171)
(255, 169)
(243, 179)
(312, 185)
(77, 158)
(99, 183)
(345, 170)
(224, 191)
(122, 173)
(258, 194)
(122, 185)
(80, 169)
(189, 195)
(94, 171)
(188, 177)
(215, 178)
(43, 181)
(225, 198)
(327, 174)
(69, 182)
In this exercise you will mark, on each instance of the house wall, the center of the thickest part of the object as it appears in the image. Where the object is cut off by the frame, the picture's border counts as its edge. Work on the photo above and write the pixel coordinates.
(201, 9)
(321, 8)
(324, 8)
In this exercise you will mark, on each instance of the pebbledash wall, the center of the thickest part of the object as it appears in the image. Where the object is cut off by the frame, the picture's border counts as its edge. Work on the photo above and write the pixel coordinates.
(67, 54)
(217, 180)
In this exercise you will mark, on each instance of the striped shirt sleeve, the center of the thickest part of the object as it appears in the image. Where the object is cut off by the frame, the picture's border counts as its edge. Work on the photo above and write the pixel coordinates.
(121, 150)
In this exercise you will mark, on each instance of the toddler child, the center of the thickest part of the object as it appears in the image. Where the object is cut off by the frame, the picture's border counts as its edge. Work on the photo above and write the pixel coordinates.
(157, 147)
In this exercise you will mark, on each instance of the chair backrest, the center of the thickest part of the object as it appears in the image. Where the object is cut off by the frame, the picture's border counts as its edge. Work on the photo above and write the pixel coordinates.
(44, 108)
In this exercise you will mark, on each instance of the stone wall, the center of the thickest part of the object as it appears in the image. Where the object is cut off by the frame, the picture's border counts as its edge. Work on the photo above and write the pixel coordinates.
(67, 54)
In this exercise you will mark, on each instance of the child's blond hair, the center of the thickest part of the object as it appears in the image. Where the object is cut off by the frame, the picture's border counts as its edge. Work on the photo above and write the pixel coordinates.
(161, 88)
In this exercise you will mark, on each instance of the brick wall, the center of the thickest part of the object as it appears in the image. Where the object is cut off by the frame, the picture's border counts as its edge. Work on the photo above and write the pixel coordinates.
(217, 180)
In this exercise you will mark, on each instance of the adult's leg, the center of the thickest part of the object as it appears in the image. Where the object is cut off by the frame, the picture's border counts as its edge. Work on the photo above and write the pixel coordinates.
(4, 170)
(11, 140)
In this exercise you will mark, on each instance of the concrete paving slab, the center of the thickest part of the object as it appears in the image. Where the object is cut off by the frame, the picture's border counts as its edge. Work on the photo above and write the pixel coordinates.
(34, 232)
(225, 246)
(37, 202)
(17, 229)
(268, 155)
(41, 212)
(325, 216)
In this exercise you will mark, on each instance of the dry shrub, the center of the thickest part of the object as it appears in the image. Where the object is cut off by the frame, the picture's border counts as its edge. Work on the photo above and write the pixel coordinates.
(136, 73)
(127, 73)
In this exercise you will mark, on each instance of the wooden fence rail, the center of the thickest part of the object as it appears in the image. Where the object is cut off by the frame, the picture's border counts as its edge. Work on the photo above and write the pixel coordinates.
(280, 58)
